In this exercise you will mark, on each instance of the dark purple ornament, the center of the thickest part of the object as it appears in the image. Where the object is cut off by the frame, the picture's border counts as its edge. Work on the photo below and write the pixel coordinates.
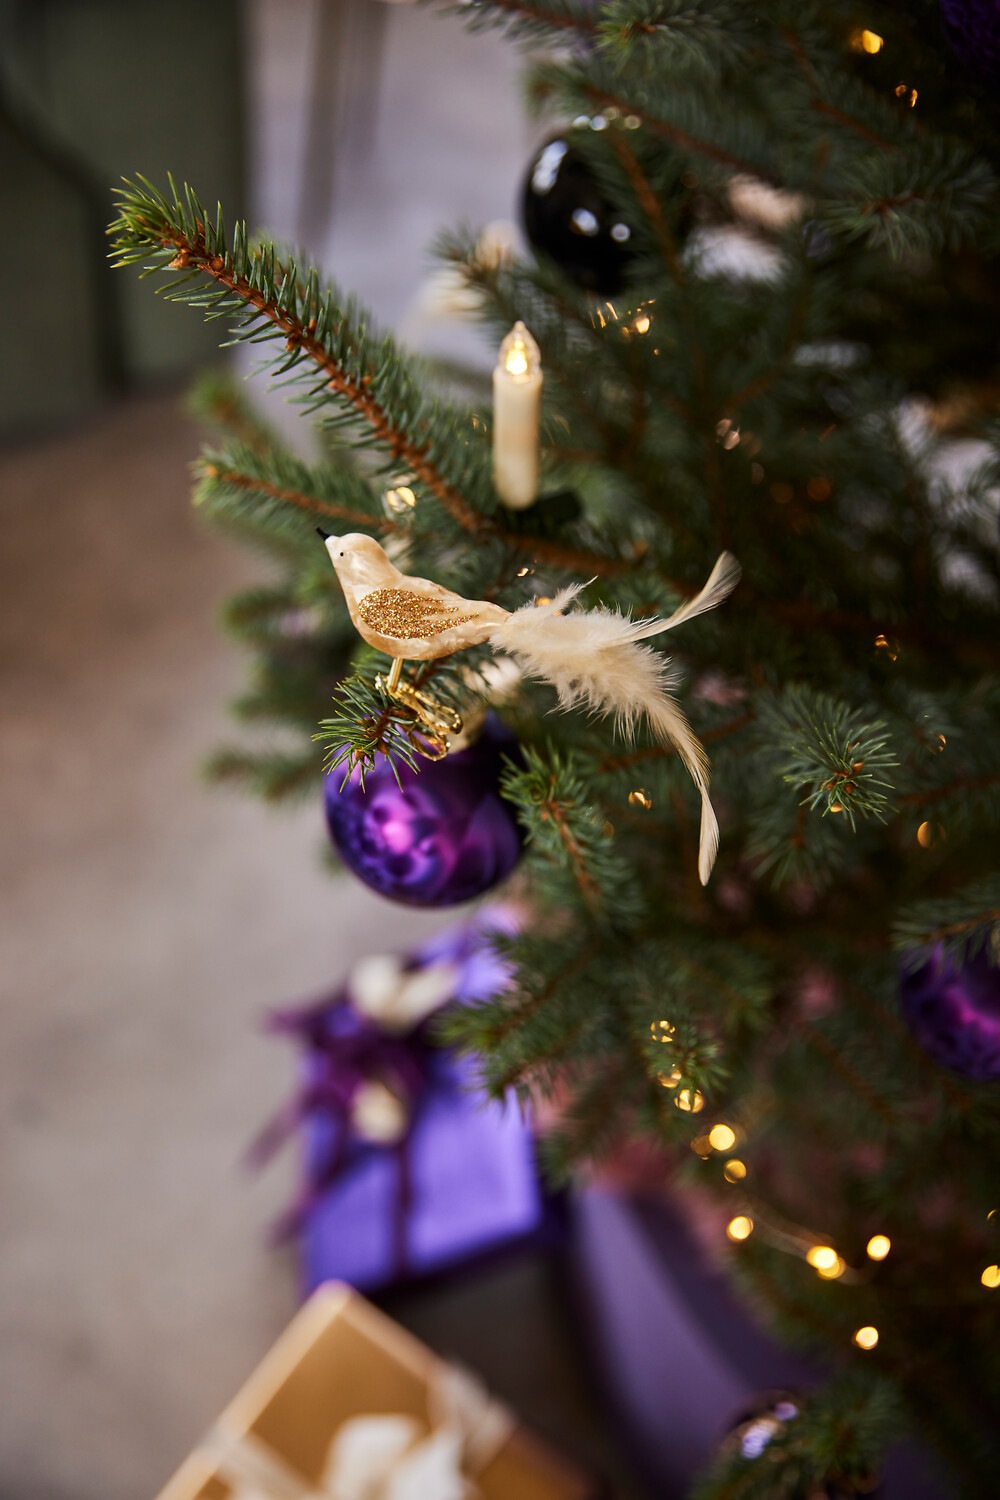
(973, 31)
(954, 1013)
(445, 835)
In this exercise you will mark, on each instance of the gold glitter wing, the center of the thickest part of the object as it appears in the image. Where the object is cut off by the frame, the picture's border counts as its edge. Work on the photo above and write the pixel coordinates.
(403, 616)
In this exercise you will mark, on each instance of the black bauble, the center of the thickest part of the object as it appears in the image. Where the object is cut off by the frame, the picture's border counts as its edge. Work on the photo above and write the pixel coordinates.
(568, 218)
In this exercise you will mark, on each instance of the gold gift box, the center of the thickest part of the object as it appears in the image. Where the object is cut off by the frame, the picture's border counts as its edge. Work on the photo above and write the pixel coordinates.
(341, 1358)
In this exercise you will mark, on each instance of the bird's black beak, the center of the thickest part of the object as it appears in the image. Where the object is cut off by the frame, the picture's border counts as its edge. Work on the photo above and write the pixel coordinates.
(321, 533)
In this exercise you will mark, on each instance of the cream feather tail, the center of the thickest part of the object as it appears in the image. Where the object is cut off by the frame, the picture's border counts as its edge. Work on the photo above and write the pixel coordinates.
(592, 659)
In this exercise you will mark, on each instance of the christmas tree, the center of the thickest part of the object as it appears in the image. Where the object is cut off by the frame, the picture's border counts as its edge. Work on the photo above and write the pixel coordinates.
(763, 301)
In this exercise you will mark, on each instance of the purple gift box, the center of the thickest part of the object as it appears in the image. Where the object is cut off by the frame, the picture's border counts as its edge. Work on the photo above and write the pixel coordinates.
(678, 1358)
(409, 1167)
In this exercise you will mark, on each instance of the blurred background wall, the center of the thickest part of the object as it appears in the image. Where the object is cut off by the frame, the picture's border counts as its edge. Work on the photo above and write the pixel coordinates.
(148, 923)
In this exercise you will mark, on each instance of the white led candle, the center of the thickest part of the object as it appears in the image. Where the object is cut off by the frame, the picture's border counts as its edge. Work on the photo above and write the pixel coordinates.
(517, 391)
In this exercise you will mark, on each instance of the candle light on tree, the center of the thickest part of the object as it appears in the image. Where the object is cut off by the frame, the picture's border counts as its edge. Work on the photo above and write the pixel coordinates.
(517, 390)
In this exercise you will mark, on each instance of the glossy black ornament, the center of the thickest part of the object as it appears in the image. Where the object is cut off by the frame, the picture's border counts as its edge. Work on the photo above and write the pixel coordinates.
(568, 218)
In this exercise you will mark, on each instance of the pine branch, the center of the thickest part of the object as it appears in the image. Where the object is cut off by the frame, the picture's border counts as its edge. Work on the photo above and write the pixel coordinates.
(964, 922)
(833, 751)
(272, 302)
(565, 827)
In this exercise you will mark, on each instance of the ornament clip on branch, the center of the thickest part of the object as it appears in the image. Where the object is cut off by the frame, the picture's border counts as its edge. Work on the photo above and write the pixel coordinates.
(591, 657)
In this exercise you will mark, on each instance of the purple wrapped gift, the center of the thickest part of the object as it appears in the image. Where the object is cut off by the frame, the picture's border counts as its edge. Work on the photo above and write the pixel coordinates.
(678, 1357)
(409, 1168)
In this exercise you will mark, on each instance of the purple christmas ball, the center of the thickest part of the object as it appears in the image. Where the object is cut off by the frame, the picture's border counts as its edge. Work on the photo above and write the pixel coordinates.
(954, 1012)
(445, 835)
(972, 28)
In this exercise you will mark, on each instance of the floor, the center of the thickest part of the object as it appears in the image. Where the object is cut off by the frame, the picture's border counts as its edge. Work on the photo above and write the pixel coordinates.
(148, 922)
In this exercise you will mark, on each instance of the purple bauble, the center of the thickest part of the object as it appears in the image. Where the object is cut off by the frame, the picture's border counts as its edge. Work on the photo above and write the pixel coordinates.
(954, 1013)
(444, 836)
(973, 31)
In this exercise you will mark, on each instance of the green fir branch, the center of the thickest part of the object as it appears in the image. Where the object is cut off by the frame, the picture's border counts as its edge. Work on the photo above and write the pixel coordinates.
(962, 923)
(566, 829)
(833, 751)
(325, 345)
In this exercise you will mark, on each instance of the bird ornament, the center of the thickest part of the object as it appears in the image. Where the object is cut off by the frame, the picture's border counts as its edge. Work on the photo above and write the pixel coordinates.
(592, 657)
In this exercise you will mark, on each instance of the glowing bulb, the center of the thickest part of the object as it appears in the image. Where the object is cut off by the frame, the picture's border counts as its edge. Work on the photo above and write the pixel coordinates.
(400, 499)
(822, 1257)
(735, 1170)
(888, 645)
(669, 1080)
(688, 1102)
(642, 323)
(740, 1228)
(516, 360)
(925, 835)
(867, 1337)
(640, 798)
(722, 1137)
(991, 1276)
(867, 41)
(878, 1246)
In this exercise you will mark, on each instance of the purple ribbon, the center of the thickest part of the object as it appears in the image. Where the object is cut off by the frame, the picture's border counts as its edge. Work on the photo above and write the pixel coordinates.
(345, 1050)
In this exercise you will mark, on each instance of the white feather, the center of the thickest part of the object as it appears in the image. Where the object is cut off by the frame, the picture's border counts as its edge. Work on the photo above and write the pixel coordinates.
(592, 659)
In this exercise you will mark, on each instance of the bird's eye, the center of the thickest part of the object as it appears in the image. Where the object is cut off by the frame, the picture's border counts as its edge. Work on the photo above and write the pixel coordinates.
(341, 554)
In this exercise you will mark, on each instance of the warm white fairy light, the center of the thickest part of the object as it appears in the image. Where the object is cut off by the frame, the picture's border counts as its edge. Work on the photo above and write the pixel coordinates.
(826, 1262)
(991, 1276)
(740, 1228)
(867, 1337)
(878, 1247)
(722, 1137)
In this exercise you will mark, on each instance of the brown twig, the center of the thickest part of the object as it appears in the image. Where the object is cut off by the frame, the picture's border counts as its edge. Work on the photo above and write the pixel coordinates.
(194, 253)
(939, 793)
(300, 499)
(552, 811)
(657, 752)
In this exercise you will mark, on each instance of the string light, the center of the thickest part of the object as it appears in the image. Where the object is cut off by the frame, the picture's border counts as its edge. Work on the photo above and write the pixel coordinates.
(400, 500)
(867, 41)
(722, 1137)
(825, 1260)
(690, 1103)
(903, 91)
(888, 645)
(740, 1228)
(524, 572)
(991, 1276)
(640, 798)
(735, 1170)
(702, 1146)
(929, 833)
(878, 1247)
(669, 1080)
(867, 1337)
